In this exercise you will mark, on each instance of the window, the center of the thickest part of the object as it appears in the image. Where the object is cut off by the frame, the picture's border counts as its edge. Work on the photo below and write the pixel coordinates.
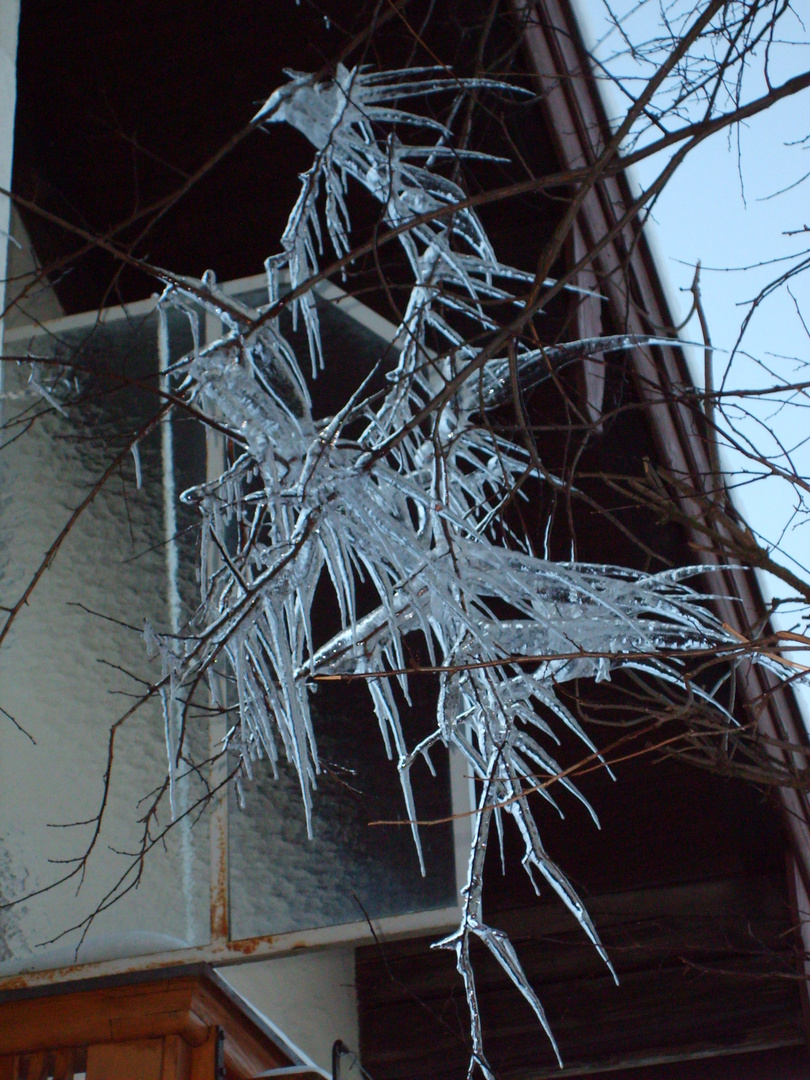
(76, 657)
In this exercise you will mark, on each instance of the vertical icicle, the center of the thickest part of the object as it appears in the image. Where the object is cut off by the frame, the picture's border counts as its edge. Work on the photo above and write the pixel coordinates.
(172, 711)
(136, 455)
(169, 492)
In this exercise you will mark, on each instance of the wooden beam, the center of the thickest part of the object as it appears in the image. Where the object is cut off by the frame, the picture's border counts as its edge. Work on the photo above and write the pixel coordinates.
(101, 1016)
(139, 1060)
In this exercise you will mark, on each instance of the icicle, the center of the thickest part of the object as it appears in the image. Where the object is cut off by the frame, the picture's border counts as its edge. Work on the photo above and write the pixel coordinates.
(136, 455)
(36, 385)
(167, 700)
(169, 491)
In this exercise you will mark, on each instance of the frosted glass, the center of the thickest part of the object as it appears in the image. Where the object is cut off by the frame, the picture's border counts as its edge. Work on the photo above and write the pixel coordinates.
(63, 677)
(279, 879)
(60, 668)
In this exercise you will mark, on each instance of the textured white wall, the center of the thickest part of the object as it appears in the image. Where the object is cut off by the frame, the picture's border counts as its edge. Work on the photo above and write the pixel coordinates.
(40, 303)
(308, 997)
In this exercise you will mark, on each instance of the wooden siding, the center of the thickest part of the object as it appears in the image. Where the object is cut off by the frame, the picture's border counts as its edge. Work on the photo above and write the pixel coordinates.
(696, 965)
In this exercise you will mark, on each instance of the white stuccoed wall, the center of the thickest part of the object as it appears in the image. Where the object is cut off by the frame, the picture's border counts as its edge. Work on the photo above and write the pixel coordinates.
(309, 998)
(33, 299)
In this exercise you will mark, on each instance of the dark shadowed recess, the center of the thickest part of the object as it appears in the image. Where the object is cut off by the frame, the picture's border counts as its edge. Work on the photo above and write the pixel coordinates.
(118, 103)
(685, 882)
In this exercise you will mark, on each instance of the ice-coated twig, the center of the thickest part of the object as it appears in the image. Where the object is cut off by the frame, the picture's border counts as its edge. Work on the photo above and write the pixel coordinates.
(305, 501)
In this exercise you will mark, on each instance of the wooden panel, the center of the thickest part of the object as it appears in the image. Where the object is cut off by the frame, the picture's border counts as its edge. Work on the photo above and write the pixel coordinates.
(63, 1065)
(176, 1058)
(141, 1060)
(203, 1058)
(702, 970)
(101, 1016)
(661, 824)
(588, 325)
(781, 1063)
(36, 1066)
(98, 1016)
(189, 1007)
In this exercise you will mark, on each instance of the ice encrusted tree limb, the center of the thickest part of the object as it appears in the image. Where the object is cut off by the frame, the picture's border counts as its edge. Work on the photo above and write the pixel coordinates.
(414, 510)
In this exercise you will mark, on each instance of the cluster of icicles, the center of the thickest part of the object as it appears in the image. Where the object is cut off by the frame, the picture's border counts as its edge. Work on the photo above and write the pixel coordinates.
(410, 504)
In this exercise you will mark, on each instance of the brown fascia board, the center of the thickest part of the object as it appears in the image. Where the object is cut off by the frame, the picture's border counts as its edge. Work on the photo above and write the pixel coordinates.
(627, 272)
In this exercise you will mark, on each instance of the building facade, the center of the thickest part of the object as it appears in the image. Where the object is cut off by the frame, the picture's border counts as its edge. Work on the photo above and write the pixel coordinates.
(696, 884)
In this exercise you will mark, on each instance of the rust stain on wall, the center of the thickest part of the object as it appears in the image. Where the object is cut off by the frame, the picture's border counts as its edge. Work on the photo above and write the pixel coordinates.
(219, 884)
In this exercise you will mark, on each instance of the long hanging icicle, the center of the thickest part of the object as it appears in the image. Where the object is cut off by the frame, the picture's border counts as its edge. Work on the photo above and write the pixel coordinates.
(408, 507)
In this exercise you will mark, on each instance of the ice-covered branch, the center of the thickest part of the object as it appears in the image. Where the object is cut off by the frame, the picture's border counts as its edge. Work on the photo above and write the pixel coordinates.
(307, 500)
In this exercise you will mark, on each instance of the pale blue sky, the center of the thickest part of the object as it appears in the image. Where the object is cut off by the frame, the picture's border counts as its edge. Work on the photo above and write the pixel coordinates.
(718, 209)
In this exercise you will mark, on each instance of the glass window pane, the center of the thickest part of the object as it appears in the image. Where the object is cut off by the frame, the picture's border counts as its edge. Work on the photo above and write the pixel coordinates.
(279, 879)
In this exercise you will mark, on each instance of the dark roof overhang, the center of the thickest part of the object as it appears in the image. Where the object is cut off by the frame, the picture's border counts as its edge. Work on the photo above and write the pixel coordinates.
(630, 280)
